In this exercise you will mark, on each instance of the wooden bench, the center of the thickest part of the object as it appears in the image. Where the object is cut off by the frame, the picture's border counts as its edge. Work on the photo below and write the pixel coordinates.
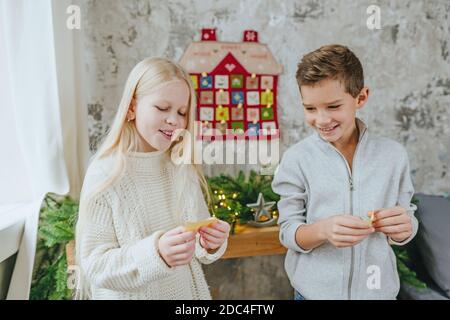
(250, 241)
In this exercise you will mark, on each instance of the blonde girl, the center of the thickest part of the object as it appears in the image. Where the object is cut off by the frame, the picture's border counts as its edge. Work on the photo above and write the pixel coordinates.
(130, 239)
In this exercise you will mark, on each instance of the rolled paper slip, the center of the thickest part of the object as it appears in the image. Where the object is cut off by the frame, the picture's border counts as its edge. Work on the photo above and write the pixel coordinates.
(194, 226)
(372, 217)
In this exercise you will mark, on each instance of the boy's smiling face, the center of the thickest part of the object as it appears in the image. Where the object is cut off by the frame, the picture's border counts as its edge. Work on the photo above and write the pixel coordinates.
(331, 111)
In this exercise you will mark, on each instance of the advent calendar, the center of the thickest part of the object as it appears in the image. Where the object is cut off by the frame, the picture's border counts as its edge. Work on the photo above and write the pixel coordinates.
(236, 86)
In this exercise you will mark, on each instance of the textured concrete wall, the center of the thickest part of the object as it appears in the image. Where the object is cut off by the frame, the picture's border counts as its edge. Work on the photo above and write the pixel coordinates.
(406, 63)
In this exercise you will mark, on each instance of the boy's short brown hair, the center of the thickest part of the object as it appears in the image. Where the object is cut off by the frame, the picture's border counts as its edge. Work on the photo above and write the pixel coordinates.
(335, 62)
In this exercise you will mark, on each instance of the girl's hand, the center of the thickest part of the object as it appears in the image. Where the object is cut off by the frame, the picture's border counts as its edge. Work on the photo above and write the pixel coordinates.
(345, 230)
(213, 236)
(393, 222)
(177, 246)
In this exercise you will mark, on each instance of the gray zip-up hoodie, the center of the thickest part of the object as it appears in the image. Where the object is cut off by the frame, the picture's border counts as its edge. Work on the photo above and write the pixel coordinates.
(315, 182)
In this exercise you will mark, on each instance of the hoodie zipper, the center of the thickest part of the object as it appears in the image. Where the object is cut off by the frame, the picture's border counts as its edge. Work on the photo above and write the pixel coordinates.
(352, 259)
(351, 189)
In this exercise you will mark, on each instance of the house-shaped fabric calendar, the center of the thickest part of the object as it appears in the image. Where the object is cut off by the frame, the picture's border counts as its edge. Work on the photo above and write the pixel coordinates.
(236, 86)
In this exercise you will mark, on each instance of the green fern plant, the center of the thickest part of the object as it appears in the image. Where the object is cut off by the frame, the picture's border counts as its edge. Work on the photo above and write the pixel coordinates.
(56, 229)
(406, 274)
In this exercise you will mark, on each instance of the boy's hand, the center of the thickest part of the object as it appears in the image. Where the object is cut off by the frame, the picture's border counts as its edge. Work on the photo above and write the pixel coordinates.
(213, 236)
(393, 222)
(177, 246)
(345, 230)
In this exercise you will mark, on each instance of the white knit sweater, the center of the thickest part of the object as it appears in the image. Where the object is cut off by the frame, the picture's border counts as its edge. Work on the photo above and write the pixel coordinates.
(119, 253)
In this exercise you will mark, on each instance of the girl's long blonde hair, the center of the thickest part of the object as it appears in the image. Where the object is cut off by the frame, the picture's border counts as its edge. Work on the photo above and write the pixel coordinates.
(122, 139)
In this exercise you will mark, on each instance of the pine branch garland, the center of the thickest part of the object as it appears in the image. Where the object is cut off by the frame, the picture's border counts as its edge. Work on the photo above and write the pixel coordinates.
(231, 196)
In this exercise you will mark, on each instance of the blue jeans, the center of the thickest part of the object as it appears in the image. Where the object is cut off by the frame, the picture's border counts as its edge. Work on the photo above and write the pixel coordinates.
(298, 296)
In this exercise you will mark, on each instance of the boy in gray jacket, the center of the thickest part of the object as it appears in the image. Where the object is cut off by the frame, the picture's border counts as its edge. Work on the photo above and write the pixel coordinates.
(345, 194)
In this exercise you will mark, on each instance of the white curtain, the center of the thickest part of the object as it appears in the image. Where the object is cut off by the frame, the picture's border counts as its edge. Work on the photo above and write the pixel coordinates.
(43, 136)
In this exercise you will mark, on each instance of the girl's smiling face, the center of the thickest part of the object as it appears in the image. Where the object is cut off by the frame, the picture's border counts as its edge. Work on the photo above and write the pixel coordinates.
(159, 114)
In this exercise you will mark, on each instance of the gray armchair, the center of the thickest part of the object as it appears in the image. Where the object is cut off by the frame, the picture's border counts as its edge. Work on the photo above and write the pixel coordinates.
(430, 250)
